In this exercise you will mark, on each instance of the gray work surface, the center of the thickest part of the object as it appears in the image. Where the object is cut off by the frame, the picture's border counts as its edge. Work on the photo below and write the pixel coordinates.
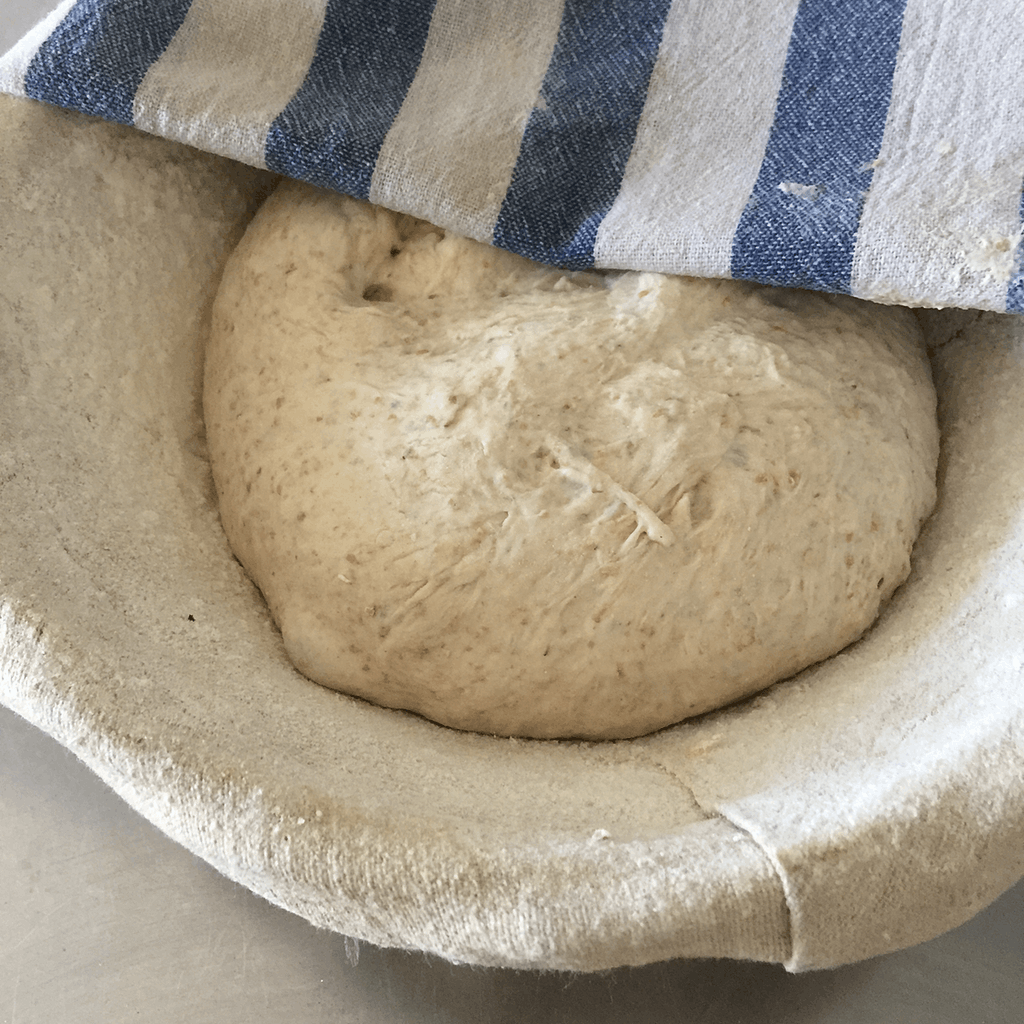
(106, 920)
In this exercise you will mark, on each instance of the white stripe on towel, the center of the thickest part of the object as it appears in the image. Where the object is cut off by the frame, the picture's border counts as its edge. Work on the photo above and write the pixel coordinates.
(449, 154)
(226, 74)
(942, 214)
(701, 139)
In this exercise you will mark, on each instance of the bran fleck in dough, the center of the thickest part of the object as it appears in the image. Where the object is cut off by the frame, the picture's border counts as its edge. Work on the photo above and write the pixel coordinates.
(529, 502)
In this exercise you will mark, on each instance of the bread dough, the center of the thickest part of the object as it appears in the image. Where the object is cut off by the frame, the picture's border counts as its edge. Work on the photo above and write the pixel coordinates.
(529, 502)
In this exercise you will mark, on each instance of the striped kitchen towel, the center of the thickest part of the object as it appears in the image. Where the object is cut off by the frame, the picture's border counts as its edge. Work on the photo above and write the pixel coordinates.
(871, 147)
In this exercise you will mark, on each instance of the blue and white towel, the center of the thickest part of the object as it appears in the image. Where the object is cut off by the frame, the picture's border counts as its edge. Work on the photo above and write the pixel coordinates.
(871, 147)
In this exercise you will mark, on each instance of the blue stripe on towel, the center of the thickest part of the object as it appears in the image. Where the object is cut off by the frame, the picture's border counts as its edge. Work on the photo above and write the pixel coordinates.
(96, 58)
(579, 137)
(366, 58)
(800, 225)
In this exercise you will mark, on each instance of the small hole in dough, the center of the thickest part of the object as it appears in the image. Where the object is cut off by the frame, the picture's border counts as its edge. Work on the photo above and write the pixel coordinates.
(377, 293)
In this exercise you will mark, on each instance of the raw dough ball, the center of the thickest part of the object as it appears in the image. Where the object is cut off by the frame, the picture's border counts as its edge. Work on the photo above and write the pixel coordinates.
(527, 502)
